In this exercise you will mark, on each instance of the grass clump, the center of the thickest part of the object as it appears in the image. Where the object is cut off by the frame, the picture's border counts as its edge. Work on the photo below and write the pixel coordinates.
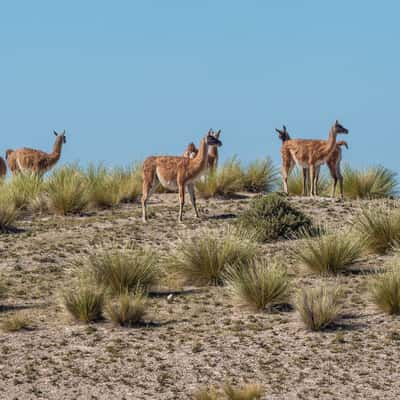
(272, 217)
(15, 323)
(25, 189)
(123, 270)
(8, 209)
(371, 183)
(224, 181)
(84, 303)
(329, 253)
(385, 289)
(379, 229)
(260, 176)
(295, 183)
(258, 284)
(206, 394)
(67, 191)
(319, 307)
(248, 392)
(203, 259)
(128, 309)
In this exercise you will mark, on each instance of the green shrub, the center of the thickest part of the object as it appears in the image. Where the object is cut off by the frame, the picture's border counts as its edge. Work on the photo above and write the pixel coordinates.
(379, 229)
(203, 259)
(260, 176)
(272, 217)
(319, 307)
(128, 309)
(67, 191)
(371, 183)
(258, 284)
(385, 290)
(123, 270)
(85, 303)
(330, 253)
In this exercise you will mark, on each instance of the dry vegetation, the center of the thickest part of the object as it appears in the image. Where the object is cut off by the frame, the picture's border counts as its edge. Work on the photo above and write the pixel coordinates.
(96, 304)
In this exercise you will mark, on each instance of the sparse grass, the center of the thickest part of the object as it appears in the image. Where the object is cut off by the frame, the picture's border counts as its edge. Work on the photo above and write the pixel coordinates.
(127, 309)
(295, 183)
(260, 176)
(203, 259)
(271, 217)
(67, 191)
(385, 288)
(84, 303)
(8, 210)
(224, 181)
(319, 307)
(25, 189)
(258, 284)
(206, 394)
(329, 253)
(123, 270)
(15, 323)
(371, 183)
(379, 229)
(248, 392)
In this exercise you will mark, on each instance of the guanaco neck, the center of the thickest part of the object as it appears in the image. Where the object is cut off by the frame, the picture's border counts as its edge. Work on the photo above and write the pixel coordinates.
(213, 151)
(56, 153)
(330, 144)
(199, 162)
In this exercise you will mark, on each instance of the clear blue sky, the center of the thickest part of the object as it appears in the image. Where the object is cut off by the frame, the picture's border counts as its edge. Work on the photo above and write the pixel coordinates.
(127, 79)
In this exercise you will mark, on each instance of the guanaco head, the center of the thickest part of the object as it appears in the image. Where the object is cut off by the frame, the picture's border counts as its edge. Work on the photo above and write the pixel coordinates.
(191, 150)
(216, 134)
(61, 138)
(283, 133)
(212, 139)
(337, 128)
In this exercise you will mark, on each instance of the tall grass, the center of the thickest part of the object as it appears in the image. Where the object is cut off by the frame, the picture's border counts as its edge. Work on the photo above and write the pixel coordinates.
(259, 284)
(371, 183)
(319, 307)
(248, 392)
(272, 217)
(25, 189)
(224, 181)
(330, 253)
(128, 309)
(122, 270)
(8, 209)
(85, 303)
(260, 176)
(379, 229)
(295, 183)
(204, 259)
(385, 288)
(67, 191)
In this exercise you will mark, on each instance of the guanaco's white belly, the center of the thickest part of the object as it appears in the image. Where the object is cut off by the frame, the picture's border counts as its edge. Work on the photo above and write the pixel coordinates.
(167, 184)
(298, 162)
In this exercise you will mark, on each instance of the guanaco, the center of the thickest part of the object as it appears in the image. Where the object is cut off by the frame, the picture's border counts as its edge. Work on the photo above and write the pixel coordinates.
(26, 160)
(333, 163)
(309, 154)
(3, 168)
(174, 172)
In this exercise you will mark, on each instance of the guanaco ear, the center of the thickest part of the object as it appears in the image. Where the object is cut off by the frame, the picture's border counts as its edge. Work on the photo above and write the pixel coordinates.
(284, 128)
(55, 133)
(336, 122)
(216, 135)
(210, 132)
(63, 132)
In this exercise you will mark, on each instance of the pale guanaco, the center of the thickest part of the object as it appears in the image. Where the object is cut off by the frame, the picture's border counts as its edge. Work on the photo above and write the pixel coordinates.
(174, 172)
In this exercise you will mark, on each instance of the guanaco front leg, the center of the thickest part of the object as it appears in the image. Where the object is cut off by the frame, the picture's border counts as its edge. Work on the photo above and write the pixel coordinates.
(193, 198)
(305, 186)
(312, 179)
(181, 201)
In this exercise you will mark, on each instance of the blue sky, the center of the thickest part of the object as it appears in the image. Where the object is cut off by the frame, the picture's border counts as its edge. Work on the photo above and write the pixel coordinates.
(127, 79)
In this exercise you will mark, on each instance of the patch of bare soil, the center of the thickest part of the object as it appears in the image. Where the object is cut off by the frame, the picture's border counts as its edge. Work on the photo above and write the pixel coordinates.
(201, 337)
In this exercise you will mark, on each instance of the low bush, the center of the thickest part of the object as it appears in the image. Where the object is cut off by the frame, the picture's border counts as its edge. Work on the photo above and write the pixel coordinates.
(260, 176)
(128, 309)
(272, 217)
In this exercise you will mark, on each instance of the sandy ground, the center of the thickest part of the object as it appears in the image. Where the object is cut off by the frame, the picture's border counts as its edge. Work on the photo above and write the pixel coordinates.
(202, 337)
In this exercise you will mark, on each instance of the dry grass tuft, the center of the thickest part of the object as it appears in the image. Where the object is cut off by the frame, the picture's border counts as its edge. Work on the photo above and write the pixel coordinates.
(15, 323)
(8, 210)
(203, 259)
(248, 392)
(84, 303)
(127, 309)
(258, 284)
(319, 307)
